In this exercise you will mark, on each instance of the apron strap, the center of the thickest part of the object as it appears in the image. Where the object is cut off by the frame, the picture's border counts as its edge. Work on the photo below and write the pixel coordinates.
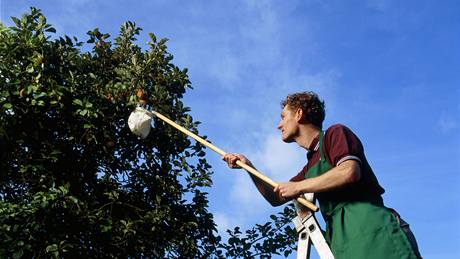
(321, 137)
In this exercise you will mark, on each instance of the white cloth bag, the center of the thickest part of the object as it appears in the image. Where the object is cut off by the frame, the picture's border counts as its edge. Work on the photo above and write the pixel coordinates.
(139, 122)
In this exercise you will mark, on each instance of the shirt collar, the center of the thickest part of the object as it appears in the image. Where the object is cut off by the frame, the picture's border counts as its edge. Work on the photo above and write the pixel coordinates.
(314, 145)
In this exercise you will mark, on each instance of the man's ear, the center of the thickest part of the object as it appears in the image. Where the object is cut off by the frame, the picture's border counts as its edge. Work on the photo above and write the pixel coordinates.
(299, 115)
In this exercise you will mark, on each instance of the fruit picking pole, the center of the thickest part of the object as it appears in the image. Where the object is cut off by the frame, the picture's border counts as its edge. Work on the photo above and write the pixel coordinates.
(251, 170)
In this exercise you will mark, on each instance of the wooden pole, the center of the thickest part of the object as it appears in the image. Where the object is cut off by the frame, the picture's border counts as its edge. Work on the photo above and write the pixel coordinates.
(248, 168)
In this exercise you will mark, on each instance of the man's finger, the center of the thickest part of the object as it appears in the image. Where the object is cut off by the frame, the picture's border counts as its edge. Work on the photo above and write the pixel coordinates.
(228, 159)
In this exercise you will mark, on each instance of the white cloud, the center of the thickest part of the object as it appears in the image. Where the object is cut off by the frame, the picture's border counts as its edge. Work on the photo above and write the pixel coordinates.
(281, 160)
(244, 193)
(222, 221)
(226, 69)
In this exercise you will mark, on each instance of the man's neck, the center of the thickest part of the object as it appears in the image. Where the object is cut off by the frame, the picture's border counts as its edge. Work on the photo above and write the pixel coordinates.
(307, 133)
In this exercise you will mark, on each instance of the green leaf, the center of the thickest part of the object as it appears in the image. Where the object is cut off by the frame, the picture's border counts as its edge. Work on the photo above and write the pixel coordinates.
(63, 190)
(51, 248)
(106, 228)
(77, 102)
(7, 105)
(51, 30)
(40, 95)
(16, 21)
(30, 68)
(18, 253)
(153, 38)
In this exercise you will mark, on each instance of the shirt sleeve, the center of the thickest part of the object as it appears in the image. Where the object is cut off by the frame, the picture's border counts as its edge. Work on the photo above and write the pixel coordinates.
(300, 176)
(342, 144)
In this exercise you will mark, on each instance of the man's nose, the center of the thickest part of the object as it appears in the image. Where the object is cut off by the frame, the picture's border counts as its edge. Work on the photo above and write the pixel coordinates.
(279, 125)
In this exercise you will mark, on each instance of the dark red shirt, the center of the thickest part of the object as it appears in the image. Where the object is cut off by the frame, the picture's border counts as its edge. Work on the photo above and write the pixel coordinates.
(341, 144)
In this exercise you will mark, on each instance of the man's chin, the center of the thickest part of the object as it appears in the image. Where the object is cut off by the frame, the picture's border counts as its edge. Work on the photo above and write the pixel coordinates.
(288, 140)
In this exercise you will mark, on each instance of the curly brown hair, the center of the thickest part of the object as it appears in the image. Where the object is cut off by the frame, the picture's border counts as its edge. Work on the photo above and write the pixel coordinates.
(313, 108)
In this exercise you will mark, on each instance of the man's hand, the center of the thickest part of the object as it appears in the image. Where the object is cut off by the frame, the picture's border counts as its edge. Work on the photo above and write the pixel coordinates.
(288, 190)
(232, 158)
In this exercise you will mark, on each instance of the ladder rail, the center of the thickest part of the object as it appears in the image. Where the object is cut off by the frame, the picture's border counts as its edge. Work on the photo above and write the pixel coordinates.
(309, 232)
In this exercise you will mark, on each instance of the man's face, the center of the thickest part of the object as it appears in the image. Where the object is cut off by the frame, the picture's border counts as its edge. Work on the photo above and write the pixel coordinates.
(288, 124)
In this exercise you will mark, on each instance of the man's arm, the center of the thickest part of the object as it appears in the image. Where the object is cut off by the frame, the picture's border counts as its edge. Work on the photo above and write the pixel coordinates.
(274, 198)
(346, 173)
(267, 191)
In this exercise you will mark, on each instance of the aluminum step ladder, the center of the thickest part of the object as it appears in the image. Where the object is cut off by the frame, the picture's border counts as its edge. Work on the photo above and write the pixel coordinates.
(309, 232)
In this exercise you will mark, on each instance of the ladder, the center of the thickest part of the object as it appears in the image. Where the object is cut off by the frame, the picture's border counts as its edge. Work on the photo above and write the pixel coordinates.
(309, 232)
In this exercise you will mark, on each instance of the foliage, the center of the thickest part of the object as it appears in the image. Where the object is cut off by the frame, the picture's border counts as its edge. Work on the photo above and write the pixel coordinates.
(75, 181)
(275, 237)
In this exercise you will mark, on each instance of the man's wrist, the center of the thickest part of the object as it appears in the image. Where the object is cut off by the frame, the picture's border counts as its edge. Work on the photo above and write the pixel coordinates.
(304, 186)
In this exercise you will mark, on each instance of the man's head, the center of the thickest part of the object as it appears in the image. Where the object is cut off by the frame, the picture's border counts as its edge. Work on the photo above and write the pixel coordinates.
(300, 108)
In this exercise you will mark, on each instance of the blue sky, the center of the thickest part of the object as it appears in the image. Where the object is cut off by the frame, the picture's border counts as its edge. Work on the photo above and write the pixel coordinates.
(390, 70)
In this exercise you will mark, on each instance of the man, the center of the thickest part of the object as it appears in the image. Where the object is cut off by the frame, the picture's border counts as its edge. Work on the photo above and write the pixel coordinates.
(358, 225)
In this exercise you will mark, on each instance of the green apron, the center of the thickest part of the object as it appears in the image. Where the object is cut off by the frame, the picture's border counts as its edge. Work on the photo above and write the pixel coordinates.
(359, 229)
